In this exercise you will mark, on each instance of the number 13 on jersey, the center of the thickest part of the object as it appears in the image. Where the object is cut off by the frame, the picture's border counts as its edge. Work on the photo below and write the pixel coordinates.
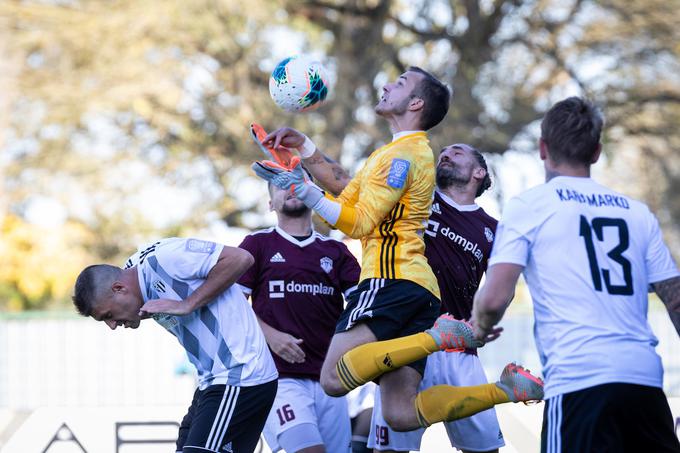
(598, 226)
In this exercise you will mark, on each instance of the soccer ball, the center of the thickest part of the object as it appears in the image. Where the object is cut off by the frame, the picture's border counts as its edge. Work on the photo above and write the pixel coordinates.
(299, 84)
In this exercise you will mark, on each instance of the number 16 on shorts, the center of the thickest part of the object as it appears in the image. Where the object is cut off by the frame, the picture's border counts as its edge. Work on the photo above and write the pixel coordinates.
(285, 414)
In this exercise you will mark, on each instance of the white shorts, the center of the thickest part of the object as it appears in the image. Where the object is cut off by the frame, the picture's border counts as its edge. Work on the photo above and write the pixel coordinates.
(360, 399)
(306, 416)
(481, 432)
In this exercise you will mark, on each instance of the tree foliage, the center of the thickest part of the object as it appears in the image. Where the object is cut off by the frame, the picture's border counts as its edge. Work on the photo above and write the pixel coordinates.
(132, 117)
(39, 265)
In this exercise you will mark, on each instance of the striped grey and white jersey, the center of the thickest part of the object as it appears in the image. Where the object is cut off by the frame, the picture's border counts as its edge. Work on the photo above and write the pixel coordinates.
(222, 339)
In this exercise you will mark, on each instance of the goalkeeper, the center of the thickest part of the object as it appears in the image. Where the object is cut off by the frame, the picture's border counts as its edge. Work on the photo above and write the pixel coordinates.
(381, 333)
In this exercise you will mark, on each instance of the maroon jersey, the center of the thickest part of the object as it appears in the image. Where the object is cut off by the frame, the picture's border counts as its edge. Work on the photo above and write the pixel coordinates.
(297, 287)
(458, 243)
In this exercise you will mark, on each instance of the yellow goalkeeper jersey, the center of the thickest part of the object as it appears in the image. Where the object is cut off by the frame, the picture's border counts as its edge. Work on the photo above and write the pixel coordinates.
(387, 205)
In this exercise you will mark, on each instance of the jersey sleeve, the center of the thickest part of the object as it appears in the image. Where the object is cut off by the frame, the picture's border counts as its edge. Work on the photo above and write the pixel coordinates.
(133, 260)
(350, 193)
(189, 258)
(658, 260)
(379, 192)
(514, 234)
(249, 279)
(350, 271)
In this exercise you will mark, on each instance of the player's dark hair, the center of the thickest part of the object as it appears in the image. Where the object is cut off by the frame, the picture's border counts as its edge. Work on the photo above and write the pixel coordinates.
(435, 95)
(486, 182)
(91, 284)
(571, 130)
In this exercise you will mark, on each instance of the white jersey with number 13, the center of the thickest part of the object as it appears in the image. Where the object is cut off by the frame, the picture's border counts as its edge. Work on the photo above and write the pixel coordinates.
(590, 255)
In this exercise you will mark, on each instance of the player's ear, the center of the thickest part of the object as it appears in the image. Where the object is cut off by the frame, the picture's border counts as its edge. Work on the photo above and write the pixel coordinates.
(597, 153)
(416, 103)
(118, 287)
(479, 173)
(542, 149)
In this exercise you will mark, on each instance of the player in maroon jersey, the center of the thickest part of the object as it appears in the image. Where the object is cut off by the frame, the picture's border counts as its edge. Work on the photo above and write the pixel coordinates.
(297, 286)
(458, 243)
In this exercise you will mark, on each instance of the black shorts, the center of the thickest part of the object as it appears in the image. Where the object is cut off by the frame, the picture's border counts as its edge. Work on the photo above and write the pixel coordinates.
(391, 309)
(609, 418)
(226, 418)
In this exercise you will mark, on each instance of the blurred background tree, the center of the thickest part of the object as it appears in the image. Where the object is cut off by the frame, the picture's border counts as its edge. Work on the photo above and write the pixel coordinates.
(121, 121)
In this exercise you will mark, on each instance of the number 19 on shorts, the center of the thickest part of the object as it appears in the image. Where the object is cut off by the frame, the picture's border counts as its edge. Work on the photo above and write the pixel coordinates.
(382, 435)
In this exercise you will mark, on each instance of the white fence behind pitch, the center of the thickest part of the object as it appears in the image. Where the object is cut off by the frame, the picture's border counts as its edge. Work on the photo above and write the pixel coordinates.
(79, 362)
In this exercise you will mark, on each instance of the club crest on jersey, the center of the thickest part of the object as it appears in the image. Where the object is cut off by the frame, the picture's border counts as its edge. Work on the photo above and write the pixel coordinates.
(165, 320)
(198, 246)
(398, 173)
(326, 264)
(488, 233)
(159, 286)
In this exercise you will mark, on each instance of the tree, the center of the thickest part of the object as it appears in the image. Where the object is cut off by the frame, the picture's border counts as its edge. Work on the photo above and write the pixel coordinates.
(39, 265)
(508, 61)
(114, 103)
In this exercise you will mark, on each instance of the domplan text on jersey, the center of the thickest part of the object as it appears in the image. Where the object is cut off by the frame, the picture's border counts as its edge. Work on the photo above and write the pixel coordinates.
(278, 287)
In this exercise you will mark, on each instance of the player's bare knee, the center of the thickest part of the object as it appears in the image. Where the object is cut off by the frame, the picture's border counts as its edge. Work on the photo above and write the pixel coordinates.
(331, 384)
(333, 389)
(397, 421)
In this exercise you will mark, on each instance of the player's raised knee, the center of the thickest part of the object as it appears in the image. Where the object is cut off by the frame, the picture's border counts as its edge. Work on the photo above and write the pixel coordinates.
(333, 388)
(331, 384)
(398, 420)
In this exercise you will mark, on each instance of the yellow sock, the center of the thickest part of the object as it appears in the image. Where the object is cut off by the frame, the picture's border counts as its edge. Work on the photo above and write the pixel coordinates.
(445, 403)
(370, 360)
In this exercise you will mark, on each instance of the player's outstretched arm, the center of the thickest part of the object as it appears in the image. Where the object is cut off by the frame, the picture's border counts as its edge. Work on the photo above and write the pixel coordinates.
(230, 265)
(327, 172)
(493, 298)
(669, 293)
(355, 219)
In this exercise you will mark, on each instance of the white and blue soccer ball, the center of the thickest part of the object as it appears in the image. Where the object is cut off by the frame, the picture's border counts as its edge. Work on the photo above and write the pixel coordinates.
(299, 84)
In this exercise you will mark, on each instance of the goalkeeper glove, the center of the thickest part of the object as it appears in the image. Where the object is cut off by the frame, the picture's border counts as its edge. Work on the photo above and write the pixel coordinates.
(294, 179)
